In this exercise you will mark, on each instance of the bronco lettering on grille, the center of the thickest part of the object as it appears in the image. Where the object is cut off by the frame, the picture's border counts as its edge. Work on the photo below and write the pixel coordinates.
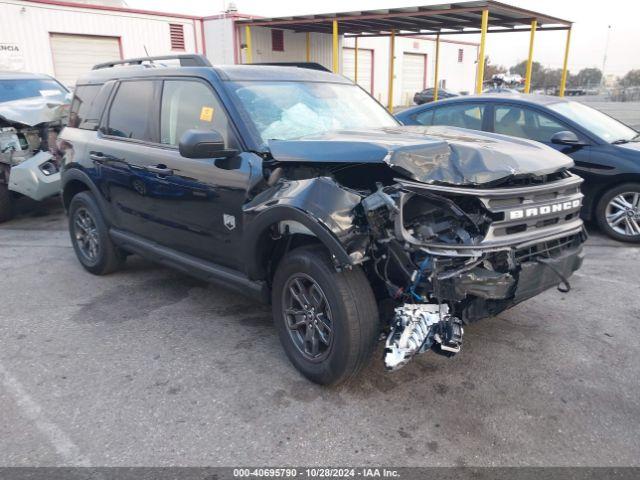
(544, 210)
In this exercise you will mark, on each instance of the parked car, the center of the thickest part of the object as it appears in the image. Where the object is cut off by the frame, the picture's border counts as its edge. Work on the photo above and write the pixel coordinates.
(501, 90)
(605, 151)
(426, 95)
(32, 111)
(294, 186)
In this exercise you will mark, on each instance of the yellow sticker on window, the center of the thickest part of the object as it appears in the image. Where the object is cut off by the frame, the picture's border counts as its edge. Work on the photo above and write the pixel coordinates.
(206, 114)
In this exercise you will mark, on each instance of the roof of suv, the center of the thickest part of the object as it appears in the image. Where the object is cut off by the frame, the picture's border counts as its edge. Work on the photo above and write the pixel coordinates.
(223, 72)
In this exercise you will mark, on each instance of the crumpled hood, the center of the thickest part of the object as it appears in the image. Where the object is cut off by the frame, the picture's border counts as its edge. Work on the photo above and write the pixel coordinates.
(32, 111)
(445, 155)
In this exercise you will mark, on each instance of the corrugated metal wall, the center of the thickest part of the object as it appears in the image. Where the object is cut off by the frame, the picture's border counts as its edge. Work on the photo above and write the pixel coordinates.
(29, 25)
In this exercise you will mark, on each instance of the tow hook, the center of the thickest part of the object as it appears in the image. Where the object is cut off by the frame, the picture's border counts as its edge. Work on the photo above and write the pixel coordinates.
(418, 328)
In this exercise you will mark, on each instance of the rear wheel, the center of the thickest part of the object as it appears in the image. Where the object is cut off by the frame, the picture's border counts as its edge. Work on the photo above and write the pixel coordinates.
(327, 321)
(6, 203)
(90, 236)
(618, 212)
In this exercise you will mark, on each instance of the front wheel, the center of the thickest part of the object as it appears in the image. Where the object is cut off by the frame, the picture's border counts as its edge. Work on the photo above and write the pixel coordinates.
(327, 321)
(618, 212)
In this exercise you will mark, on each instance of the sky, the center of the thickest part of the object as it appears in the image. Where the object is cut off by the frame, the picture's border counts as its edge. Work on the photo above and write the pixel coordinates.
(591, 22)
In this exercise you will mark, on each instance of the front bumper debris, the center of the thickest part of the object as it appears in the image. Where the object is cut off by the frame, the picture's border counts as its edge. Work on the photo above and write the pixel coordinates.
(36, 178)
(418, 328)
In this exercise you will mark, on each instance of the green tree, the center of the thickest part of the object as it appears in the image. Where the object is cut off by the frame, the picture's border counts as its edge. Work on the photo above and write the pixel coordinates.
(490, 69)
(587, 77)
(631, 79)
(550, 78)
(521, 69)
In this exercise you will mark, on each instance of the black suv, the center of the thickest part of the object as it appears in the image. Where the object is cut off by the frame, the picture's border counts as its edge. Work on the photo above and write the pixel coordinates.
(294, 186)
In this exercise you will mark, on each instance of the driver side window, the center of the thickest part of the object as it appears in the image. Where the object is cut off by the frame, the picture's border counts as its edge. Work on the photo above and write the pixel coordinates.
(525, 123)
(189, 104)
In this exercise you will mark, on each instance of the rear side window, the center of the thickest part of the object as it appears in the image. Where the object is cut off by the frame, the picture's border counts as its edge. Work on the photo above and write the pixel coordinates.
(132, 111)
(87, 105)
(465, 116)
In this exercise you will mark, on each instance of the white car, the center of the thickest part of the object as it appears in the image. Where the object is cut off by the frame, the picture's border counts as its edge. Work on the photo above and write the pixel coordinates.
(33, 109)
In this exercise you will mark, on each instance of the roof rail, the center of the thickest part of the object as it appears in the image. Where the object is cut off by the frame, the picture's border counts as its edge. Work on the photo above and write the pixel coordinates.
(186, 60)
(310, 65)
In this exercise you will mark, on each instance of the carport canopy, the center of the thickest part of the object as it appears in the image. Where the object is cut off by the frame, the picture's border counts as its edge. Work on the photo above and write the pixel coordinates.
(479, 17)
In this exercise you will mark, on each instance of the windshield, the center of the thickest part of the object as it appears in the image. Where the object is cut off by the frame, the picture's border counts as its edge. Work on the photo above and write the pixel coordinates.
(32, 87)
(286, 110)
(602, 125)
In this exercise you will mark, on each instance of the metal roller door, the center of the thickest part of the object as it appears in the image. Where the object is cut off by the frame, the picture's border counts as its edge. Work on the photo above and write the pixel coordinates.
(365, 66)
(74, 55)
(414, 70)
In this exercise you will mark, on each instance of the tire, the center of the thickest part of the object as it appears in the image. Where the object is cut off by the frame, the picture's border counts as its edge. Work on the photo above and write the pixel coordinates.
(106, 257)
(6, 203)
(607, 213)
(349, 308)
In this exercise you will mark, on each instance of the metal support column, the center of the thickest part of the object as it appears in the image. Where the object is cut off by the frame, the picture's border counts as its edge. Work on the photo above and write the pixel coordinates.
(247, 34)
(483, 39)
(308, 46)
(336, 63)
(527, 78)
(392, 51)
(355, 61)
(436, 80)
(563, 80)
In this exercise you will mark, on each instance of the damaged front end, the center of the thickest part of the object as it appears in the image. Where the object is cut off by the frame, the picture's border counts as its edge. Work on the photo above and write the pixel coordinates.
(452, 255)
(450, 226)
(29, 154)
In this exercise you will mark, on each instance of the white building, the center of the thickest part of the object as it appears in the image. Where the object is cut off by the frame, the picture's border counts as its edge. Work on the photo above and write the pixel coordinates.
(414, 67)
(66, 39)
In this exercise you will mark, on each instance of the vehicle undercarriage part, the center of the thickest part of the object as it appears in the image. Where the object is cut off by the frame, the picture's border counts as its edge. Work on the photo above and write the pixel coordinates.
(418, 328)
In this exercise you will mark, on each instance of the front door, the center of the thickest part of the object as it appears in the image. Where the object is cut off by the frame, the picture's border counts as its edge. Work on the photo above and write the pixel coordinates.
(190, 205)
(528, 123)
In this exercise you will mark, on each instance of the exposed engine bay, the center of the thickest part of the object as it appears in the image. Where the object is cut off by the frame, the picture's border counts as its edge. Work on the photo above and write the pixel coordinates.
(29, 154)
(440, 253)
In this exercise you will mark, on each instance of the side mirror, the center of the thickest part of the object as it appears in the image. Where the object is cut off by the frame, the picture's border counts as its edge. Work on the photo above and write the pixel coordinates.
(566, 138)
(203, 144)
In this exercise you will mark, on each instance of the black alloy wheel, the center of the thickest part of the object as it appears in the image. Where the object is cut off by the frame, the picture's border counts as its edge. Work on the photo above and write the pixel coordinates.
(308, 317)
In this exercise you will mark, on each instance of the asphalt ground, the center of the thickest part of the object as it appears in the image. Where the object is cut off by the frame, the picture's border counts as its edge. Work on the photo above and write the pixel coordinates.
(148, 367)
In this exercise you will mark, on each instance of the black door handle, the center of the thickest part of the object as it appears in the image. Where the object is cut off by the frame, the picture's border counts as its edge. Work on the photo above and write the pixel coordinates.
(101, 157)
(159, 169)
(97, 156)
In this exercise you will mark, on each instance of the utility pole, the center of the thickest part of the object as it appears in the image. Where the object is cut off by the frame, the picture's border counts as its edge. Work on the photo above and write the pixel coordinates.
(606, 49)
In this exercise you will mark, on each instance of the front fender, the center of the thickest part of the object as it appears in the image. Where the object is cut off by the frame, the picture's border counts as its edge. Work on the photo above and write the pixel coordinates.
(321, 205)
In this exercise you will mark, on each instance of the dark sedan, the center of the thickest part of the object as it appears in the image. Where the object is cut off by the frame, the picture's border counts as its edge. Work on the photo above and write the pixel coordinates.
(426, 95)
(606, 152)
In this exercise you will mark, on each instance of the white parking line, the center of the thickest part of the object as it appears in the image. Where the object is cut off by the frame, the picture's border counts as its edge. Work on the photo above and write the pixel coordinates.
(60, 441)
